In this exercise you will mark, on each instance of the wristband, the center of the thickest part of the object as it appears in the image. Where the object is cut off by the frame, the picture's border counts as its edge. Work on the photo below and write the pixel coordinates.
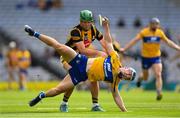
(36, 34)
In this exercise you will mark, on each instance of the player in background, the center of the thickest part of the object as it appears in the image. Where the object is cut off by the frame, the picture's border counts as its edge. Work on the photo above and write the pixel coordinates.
(80, 39)
(151, 37)
(82, 68)
(12, 63)
(24, 62)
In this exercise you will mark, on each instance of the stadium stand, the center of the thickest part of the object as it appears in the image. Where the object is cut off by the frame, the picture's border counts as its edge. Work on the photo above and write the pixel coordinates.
(57, 22)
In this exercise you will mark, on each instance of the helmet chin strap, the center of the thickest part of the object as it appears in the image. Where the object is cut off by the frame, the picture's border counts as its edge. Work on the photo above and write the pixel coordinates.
(120, 75)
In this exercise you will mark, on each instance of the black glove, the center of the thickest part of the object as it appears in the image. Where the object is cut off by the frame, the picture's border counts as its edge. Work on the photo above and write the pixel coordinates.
(29, 30)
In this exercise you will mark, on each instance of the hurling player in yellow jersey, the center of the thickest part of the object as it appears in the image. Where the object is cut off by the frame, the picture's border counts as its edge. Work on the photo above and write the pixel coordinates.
(24, 62)
(12, 63)
(151, 37)
(107, 69)
(80, 39)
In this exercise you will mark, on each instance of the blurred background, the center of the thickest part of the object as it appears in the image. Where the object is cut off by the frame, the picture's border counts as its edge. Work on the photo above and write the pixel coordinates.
(56, 17)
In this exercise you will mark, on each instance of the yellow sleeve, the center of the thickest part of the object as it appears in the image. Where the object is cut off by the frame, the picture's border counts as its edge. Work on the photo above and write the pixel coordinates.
(163, 36)
(28, 54)
(114, 54)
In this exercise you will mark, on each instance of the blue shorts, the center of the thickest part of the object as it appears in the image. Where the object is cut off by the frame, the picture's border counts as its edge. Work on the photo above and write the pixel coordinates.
(78, 70)
(23, 71)
(148, 62)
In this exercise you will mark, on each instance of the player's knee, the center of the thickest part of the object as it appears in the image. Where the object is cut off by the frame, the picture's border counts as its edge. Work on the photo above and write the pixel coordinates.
(158, 75)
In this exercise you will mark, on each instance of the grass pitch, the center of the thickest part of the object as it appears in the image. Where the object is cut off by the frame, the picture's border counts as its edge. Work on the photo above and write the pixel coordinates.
(140, 104)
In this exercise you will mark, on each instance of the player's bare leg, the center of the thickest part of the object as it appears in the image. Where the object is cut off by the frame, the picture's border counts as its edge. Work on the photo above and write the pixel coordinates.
(10, 79)
(22, 81)
(64, 105)
(157, 69)
(94, 88)
(64, 85)
(144, 76)
(67, 53)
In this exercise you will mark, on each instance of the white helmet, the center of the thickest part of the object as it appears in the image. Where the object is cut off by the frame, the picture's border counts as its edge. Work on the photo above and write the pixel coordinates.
(155, 20)
(133, 74)
(12, 44)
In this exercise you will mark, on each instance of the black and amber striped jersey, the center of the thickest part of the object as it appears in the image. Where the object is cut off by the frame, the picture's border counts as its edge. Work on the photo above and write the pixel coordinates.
(77, 34)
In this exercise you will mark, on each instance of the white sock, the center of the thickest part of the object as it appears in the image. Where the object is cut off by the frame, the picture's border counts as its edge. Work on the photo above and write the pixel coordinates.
(159, 91)
(95, 104)
(64, 103)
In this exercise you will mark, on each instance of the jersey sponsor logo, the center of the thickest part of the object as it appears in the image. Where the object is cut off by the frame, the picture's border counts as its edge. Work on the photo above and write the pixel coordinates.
(108, 69)
(151, 39)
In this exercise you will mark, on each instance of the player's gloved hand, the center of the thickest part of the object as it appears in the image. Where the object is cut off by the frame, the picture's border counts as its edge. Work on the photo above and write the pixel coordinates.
(105, 21)
(29, 30)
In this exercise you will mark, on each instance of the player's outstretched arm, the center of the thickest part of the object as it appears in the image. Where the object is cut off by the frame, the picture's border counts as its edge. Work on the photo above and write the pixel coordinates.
(67, 52)
(118, 100)
(172, 44)
(107, 36)
(130, 44)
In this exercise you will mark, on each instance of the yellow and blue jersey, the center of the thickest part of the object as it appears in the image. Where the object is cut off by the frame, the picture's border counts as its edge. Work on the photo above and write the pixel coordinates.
(151, 42)
(24, 59)
(12, 57)
(102, 69)
(106, 68)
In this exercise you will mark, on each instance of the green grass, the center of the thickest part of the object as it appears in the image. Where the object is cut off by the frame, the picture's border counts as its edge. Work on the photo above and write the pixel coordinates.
(139, 104)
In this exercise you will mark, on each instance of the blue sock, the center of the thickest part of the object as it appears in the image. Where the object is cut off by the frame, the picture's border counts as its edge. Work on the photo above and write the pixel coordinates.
(36, 34)
(42, 95)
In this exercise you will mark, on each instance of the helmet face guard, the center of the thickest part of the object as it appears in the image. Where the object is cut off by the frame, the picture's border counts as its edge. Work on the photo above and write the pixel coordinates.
(86, 16)
(128, 73)
(133, 72)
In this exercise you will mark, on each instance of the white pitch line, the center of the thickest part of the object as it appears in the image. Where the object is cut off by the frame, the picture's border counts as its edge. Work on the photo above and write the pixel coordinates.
(57, 108)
